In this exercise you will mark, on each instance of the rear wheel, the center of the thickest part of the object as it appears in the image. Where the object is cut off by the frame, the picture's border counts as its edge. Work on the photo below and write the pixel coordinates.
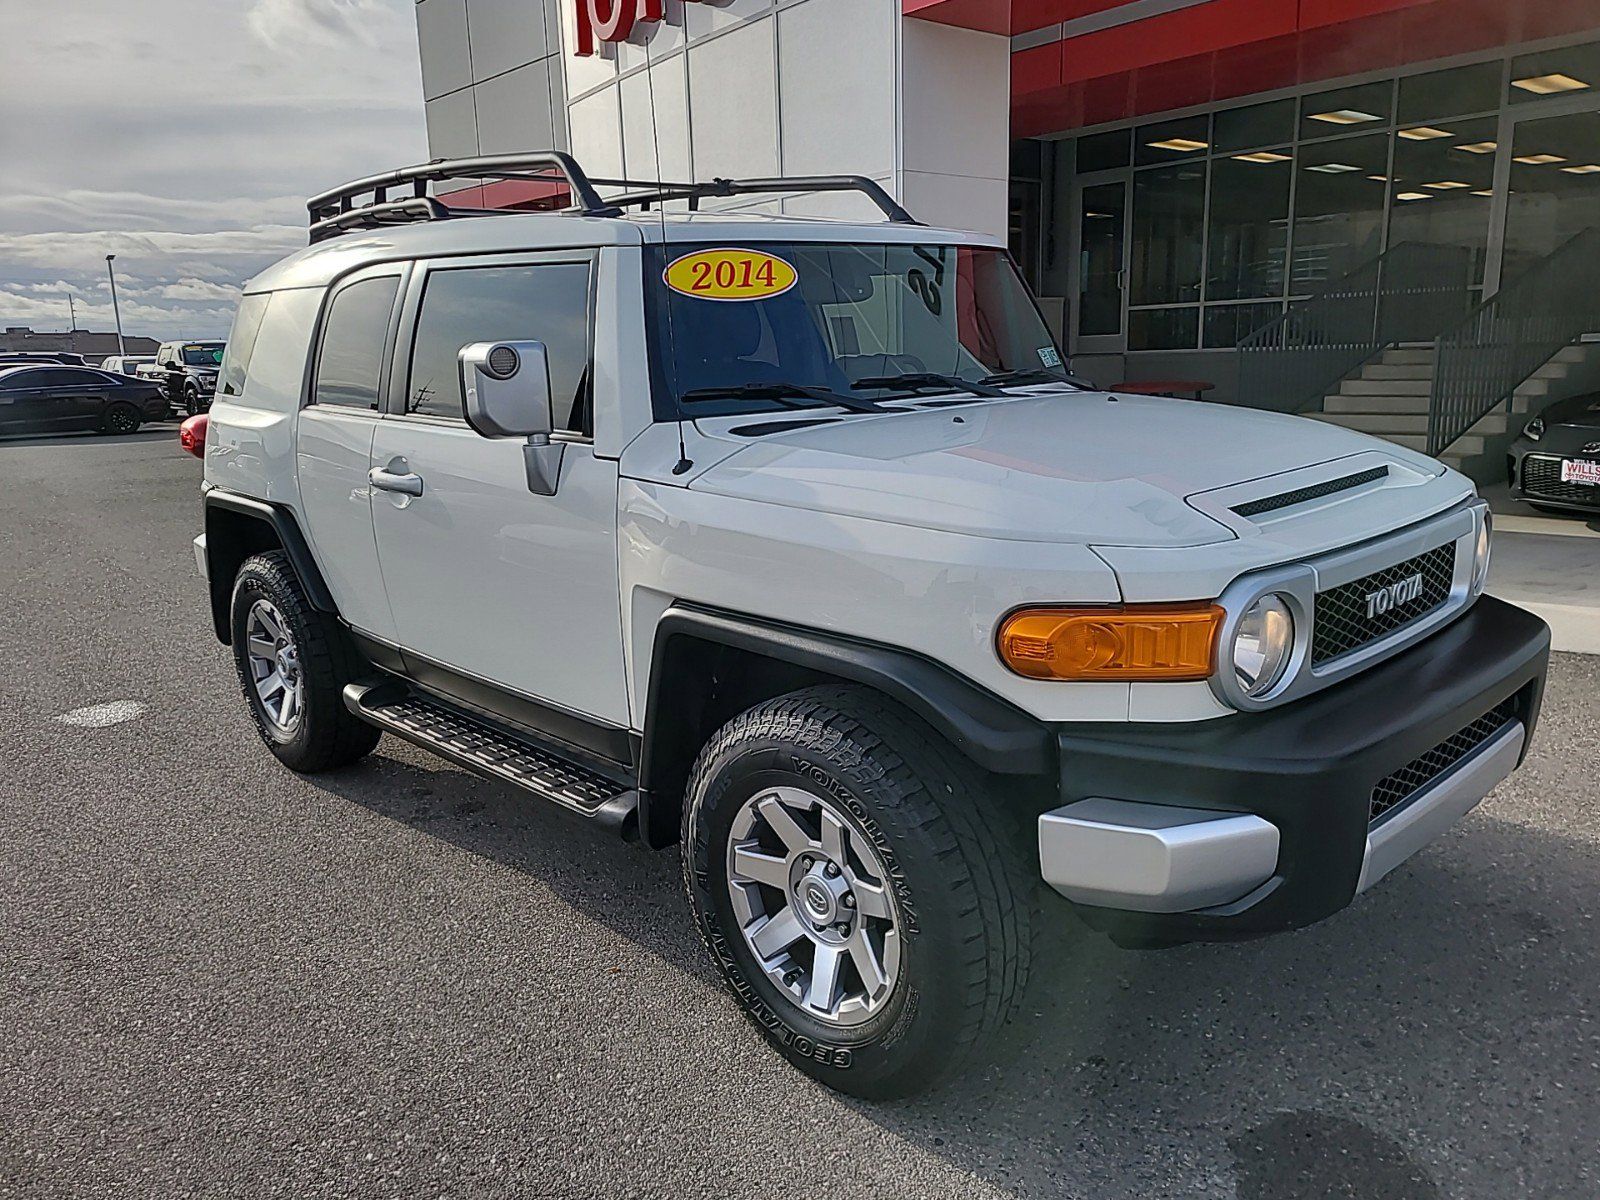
(860, 890)
(120, 418)
(293, 663)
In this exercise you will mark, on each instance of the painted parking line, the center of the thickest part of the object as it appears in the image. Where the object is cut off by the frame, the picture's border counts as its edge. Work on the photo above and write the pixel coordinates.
(98, 716)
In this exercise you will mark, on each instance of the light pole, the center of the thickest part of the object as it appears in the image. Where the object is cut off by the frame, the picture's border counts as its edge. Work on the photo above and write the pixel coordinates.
(111, 273)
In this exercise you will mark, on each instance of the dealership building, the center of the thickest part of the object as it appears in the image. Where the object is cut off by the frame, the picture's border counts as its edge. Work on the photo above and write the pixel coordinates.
(1382, 213)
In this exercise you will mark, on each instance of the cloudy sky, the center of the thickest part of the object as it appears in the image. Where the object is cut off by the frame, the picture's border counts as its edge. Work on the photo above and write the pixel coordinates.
(183, 136)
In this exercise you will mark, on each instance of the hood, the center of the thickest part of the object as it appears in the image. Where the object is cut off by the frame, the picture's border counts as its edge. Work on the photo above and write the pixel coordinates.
(1581, 412)
(1075, 467)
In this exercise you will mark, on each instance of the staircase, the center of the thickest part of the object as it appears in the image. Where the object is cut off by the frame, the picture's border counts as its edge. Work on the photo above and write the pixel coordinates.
(1389, 396)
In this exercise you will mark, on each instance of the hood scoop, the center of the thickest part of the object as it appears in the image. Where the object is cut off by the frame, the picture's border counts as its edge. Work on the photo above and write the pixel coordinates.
(1314, 491)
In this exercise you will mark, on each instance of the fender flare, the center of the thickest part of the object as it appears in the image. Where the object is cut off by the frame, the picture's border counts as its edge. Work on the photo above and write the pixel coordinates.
(287, 531)
(995, 734)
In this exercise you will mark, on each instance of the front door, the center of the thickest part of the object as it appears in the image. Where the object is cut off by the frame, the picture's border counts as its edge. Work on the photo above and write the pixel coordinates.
(483, 576)
(1099, 301)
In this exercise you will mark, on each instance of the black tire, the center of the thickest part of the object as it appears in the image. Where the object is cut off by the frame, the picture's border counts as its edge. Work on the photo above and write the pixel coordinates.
(120, 418)
(957, 867)
(191, 401)
(326, 734)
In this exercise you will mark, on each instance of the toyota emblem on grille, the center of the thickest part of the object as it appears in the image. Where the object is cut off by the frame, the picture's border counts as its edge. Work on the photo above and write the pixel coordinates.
(1387, 599)
(1590, 448)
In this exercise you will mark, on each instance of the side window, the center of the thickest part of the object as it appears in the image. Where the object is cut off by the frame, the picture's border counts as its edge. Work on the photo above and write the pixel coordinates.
(546, 302)
(353, 336)
(163, 356)
(242, 343)
(56, 377)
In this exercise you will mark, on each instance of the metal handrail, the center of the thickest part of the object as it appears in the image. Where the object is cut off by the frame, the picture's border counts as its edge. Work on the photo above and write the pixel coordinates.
(1407, 294)
(1483, 360)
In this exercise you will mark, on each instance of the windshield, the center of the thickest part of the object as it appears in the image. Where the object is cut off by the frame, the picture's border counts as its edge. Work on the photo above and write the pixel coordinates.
(204, 354)
(866, 321)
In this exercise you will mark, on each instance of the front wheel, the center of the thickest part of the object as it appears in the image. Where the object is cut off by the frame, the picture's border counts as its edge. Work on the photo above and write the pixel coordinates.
(859, 888)
(293, 663)
(191, 402)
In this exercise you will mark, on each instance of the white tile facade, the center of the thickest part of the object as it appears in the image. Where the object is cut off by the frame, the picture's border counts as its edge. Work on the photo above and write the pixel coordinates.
(739, 88)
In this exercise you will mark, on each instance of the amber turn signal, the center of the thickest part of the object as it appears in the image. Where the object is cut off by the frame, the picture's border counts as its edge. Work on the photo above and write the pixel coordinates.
(1134, 642)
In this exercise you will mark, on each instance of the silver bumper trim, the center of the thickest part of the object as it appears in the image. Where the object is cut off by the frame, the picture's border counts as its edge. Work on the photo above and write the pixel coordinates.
(1441, 804)
(1152, 857)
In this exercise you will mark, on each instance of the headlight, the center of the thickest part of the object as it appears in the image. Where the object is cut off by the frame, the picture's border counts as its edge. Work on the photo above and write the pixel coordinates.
(1262, 644)
(1480, 554)
(1534, 429)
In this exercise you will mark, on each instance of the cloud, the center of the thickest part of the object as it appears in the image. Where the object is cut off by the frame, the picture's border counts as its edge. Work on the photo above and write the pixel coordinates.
(195, 177)
(284, 23)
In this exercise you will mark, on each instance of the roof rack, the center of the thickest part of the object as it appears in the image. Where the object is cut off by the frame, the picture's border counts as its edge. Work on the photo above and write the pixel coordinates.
(366, 203)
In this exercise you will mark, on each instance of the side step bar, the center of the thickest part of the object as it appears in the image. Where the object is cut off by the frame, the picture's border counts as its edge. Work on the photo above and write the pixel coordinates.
(494, 753)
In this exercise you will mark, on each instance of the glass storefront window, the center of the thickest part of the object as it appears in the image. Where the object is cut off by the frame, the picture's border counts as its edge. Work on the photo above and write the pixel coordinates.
(1340, 191)
(1269, 124)
(1561, 72)
(1103, 151)
(1164, 328)
(1555, 187)
(1168, 233)
(1170, 140)
(1473, 89)
(1345, 110)
(1442, 192)
(1229, 324)
(1248, 230)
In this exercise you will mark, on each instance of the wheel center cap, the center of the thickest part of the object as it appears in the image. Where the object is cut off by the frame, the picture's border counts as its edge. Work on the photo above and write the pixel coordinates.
(817, 899)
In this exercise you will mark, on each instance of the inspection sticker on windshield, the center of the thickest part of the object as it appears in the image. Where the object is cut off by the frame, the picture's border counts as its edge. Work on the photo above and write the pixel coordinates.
(729, 273)
(1049, 357)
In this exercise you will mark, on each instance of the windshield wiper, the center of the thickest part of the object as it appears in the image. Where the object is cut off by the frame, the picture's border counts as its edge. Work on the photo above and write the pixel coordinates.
(922, 381)
(1033, 375)
(788, 395)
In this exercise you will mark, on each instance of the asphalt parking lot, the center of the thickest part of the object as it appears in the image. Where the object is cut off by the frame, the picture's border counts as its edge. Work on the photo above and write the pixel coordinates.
(219, 979)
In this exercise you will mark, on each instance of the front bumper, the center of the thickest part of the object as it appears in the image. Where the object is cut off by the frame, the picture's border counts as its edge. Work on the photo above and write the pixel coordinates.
(1535, 472)
(1260, 822)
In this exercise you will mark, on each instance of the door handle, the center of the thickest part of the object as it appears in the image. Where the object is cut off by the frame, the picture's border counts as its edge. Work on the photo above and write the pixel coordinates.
(389, 481)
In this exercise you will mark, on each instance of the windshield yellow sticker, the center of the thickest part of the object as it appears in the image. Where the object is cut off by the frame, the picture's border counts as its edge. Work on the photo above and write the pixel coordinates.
(729, 273)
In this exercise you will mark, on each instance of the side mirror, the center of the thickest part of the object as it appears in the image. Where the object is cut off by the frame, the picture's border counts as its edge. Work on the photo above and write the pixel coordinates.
(505, 392)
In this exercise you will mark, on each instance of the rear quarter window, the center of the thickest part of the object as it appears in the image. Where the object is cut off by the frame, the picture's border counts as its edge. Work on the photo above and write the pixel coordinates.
(274, 371)
(242, 343)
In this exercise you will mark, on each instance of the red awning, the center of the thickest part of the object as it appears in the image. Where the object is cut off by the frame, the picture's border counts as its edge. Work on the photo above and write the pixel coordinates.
(1198, 53)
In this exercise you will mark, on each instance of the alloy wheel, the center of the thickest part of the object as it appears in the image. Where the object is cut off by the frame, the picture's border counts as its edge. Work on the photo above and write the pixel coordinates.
(812, 898)
(274, 666)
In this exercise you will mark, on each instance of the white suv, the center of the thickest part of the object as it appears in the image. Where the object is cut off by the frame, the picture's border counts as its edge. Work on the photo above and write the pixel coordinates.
(794, 542)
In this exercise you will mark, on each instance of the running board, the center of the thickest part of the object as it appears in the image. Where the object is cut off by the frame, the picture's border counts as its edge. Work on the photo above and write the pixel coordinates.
(494, 753)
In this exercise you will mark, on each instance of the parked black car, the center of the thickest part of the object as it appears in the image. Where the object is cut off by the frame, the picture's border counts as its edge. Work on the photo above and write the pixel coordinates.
(51, 399)
(188, 373)
(1555, 464)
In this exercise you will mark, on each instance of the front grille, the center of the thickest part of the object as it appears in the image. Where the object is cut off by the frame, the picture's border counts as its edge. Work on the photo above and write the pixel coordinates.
(1342, 624)
(1541, 477)
(1395, 790)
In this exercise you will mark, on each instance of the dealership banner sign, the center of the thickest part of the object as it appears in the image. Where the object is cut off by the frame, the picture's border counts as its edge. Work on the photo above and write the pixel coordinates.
(613, 20)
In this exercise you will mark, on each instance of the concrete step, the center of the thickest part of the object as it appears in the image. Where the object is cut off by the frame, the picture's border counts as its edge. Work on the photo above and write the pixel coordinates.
(1384, 424)
(1408, 356)
(1382, 370)
(1533, 387)
(1386, 387)
(1375, 404)
(1469, 446)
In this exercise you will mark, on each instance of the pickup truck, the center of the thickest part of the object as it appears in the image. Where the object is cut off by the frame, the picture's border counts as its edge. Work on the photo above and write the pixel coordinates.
(794, 544)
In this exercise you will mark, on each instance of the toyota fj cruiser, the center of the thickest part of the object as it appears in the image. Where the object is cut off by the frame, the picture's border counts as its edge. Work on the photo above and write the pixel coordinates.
(793, 541)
